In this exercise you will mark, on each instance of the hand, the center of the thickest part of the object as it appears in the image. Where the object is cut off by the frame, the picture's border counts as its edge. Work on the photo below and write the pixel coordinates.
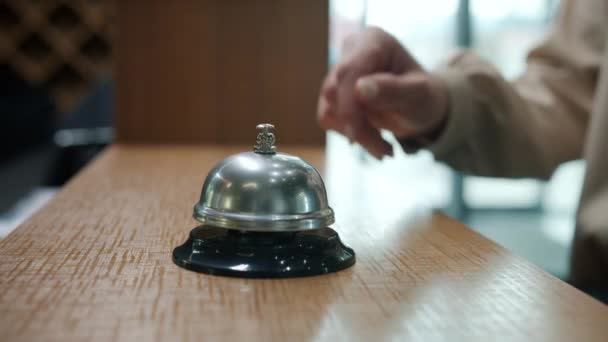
(377, 85)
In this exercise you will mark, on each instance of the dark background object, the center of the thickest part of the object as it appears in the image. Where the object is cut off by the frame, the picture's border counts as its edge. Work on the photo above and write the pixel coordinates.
(26, 115)
(53, 53)
(64, 46)
(86, 132)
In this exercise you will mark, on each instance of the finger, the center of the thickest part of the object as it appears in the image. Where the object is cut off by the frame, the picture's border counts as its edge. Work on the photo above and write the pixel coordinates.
(326, 116)
(400, 125)
(353, 115)
(329, 86)
(370, 138)
(362, 132)
(365, 58)
(383, 92)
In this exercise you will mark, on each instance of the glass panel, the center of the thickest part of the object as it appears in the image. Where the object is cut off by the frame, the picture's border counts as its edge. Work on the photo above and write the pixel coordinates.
(504, 31)
(482, 192)
(563, 191)
(426, 28)
(346, 17)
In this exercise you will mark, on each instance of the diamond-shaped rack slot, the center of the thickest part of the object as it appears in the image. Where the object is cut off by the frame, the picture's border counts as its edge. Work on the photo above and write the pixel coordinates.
(64, 45)
(95, 47)
(35, 47)
(64, 17)
(66, 76)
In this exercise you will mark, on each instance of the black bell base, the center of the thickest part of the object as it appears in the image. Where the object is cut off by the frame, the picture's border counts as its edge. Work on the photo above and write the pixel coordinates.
(236, 253)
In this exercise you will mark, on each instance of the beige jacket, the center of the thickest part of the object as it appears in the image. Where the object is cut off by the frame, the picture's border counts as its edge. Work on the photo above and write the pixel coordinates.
(555, 112)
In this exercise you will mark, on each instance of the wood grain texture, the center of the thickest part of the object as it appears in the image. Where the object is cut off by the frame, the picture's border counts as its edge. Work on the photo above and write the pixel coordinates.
(95, 264)
(196, 71)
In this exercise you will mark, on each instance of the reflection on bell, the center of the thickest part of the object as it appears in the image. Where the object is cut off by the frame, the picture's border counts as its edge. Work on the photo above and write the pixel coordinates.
(264, 215)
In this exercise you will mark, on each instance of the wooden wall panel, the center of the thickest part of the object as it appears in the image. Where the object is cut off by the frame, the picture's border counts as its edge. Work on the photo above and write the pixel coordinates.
(208, 71)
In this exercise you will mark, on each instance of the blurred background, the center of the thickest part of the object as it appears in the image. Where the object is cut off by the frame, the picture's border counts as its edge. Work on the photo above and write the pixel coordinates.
(61, 62)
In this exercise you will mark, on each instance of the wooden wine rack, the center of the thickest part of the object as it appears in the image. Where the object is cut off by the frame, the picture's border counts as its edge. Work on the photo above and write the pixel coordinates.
(64, 46)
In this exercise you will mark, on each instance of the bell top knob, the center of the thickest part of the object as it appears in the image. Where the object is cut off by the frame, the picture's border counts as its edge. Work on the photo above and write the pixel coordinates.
(264, 143)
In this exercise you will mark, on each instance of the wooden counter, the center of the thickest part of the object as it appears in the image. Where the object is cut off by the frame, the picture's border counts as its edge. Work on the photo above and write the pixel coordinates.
(95, 263)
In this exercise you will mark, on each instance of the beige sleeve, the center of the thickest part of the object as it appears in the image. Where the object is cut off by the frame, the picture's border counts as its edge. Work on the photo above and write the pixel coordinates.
(527, 127)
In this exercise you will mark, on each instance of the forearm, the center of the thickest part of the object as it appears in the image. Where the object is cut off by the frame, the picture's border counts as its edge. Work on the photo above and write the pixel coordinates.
(502, 129)
(527, 127)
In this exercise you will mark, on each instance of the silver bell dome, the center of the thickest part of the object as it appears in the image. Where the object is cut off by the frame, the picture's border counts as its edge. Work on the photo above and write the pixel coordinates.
(264, 191)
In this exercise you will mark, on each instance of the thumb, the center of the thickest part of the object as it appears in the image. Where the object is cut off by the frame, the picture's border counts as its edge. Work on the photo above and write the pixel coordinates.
(384, 92)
